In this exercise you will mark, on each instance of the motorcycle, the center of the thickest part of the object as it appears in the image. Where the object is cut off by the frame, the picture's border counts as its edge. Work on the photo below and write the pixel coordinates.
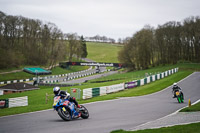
(179, 96)
(67, 110)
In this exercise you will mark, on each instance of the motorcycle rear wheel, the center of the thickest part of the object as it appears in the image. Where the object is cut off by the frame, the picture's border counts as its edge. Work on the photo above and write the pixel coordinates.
(84, 112)
(65, 115)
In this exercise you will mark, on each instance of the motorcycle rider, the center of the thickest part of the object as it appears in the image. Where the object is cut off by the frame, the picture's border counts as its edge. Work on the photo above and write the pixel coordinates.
(176, 88)
(65, 95)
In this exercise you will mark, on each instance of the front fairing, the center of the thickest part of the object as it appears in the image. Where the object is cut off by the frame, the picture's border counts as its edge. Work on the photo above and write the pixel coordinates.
(58, 102)
(178, 93)
(64, 104)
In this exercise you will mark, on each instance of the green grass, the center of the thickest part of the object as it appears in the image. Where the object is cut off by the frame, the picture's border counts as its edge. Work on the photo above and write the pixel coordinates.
(103, 52)
(36, 98)
(193, 108)
(130, 76)
(189, 128)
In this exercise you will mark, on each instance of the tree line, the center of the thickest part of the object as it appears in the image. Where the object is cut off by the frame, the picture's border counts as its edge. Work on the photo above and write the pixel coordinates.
(105, 39)
(99, 38)
(167, 44)
(25, 41)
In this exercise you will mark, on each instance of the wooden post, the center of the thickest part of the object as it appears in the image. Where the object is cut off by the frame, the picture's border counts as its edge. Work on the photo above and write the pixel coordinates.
(46, 97)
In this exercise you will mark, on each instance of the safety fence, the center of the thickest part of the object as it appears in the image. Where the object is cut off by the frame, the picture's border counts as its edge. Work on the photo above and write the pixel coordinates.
(60, 85)
(14, 102)
(69, 78)
(45, 78)
(99, 91)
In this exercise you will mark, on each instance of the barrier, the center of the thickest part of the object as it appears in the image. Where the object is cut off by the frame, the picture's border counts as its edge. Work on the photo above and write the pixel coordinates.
(93, 92)
(132, 84)
(87, 93)
(47, 77)
(3, 103)
(19, 101)
(1, 92)
(102, 91)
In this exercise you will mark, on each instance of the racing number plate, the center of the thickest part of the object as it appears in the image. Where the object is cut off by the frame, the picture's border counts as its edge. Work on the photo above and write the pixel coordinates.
(177, 93)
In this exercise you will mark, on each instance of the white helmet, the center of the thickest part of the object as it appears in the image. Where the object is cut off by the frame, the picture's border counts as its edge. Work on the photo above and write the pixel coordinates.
(56, 90)
(175, 84)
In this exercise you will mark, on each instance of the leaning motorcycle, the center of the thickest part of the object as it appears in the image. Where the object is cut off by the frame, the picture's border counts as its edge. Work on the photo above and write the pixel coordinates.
(179, 96)
(67, 110)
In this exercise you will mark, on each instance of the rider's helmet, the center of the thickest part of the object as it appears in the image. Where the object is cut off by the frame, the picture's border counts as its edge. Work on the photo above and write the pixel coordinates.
(56, 90)
(175, 84)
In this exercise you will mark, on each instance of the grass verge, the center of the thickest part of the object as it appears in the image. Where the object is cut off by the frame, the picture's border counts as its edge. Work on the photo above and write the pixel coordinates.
(189, 128)
(193, 108)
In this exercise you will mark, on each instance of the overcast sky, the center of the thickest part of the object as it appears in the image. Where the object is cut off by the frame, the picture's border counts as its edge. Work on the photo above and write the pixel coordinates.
(112, 18)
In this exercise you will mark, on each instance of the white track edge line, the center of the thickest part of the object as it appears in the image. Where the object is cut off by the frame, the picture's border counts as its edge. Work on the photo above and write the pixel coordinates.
(167, 115)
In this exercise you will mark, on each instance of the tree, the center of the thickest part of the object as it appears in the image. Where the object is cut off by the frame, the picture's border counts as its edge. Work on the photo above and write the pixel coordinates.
(84, 48)
(73, 45)
(168, 44)
(26, 41)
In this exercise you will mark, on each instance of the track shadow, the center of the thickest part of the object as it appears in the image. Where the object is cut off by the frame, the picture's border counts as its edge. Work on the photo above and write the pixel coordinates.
(61, 120)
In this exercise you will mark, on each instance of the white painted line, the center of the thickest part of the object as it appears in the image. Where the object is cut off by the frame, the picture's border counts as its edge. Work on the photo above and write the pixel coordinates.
(168, 125)
(168, 116)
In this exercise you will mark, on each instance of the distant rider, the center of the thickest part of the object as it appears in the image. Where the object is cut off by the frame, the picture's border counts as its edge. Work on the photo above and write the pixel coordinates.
(176, 88)
(65, 95)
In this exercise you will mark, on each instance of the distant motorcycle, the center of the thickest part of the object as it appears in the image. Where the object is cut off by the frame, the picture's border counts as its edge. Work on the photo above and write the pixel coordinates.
(67, 110)
(179, 96)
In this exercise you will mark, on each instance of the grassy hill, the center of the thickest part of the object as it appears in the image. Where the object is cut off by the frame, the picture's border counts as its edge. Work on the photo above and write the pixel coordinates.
(103, 52)
(100, 52)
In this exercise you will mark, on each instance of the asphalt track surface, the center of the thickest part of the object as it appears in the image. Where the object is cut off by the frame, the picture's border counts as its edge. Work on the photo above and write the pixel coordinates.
(106, 116)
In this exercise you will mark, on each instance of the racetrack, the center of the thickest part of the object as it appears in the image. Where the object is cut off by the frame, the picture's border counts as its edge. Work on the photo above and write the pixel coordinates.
(124, 113)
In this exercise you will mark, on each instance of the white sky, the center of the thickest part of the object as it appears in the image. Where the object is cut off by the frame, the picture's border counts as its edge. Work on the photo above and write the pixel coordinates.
(112, 18)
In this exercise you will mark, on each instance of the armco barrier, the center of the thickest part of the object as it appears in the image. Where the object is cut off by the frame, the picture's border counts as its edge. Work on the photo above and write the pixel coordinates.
(130, 85)
(93, 92)
(115, 88)
(87, 93)
(14, 102)
(19, 101)
(1, 92)
(47, 77)
(3, 103)
(60, 85)
(102, 91)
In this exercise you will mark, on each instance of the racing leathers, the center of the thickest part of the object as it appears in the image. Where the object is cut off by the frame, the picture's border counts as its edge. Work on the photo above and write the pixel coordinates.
(66, 95)
(176, 88)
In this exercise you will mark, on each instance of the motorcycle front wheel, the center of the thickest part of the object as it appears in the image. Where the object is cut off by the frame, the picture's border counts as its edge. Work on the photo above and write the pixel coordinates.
(65, 115)
(179, 99)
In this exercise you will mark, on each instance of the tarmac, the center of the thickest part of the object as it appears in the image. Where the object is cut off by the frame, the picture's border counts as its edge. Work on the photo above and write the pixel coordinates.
(176, 118)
